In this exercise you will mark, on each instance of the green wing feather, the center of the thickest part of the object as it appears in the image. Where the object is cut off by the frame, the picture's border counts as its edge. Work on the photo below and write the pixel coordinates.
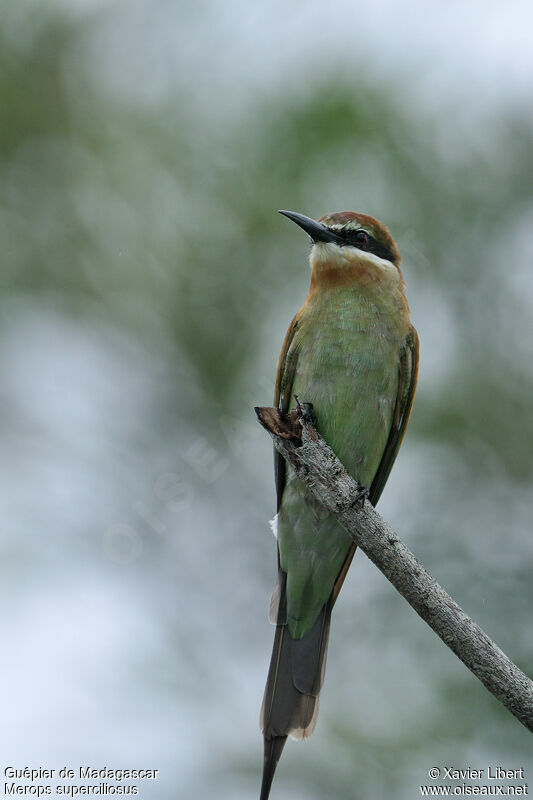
(402, 411)
(408, 374)
(282, 397)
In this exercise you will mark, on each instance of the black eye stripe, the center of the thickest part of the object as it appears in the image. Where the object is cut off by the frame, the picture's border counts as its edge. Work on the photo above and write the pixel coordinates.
(349, 237)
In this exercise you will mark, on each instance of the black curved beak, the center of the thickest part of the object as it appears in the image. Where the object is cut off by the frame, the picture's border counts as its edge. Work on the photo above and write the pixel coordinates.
(317, 231)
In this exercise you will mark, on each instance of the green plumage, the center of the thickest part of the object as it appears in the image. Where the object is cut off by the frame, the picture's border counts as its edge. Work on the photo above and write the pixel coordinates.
(348, 356)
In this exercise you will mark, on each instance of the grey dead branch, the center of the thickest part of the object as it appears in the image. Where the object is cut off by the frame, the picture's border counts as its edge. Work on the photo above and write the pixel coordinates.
(317, 465)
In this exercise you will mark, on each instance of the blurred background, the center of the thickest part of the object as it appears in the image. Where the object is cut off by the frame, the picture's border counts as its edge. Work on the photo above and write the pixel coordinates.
(146, 287)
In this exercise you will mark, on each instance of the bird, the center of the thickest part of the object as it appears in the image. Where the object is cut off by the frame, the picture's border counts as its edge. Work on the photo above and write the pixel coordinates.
(352, 352)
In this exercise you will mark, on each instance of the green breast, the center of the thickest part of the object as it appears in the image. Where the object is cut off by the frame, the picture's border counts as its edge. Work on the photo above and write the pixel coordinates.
(348, 348)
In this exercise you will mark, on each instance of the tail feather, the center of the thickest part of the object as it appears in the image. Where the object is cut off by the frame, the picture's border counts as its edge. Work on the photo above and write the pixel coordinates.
(278, 602)
(308, 655)
(295, 677)
(273, 750)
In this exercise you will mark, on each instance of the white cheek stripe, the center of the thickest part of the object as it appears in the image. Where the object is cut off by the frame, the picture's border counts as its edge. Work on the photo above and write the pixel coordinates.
(322, 252)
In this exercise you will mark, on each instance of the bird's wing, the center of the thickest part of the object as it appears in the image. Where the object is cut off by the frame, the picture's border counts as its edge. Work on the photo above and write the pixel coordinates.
(282, 397)
(404, 403)
(408, 373)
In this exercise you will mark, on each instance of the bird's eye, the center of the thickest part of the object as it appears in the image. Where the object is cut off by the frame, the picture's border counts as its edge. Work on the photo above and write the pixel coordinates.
(361, 237)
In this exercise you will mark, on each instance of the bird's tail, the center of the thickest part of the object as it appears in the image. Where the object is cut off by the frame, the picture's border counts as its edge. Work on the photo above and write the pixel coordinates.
(290, 704)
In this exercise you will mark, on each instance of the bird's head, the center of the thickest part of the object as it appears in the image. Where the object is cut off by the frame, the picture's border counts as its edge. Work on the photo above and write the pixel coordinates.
(347, 242)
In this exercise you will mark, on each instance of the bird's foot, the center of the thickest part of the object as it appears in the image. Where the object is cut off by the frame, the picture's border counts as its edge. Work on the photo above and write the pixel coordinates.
(361, 495)
(305, 412)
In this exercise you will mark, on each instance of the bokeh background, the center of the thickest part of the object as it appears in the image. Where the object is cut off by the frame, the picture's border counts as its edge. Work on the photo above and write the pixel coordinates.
(146, 286)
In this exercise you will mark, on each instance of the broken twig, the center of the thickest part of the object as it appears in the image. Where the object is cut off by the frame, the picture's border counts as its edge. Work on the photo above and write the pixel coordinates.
(319, 468)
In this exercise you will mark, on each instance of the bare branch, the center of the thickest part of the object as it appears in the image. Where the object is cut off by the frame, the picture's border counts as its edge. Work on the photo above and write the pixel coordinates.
(317, 465)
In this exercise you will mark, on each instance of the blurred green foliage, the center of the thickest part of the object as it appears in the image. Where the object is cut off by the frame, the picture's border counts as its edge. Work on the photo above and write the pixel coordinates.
(158, 221)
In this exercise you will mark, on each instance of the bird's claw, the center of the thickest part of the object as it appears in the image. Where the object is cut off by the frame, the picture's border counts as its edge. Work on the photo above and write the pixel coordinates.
(305, 411)
(361, 494)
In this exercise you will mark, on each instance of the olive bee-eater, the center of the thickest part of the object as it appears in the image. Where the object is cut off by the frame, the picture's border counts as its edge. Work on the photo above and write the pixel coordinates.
(352, 353)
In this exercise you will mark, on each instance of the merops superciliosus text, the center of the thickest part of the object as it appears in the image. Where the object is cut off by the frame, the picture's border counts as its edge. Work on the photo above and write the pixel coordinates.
(352, 352)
